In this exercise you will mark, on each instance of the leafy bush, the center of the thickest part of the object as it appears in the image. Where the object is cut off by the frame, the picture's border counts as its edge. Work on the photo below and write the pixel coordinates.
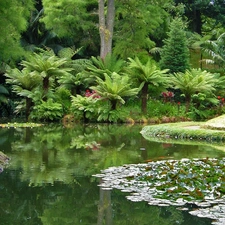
(47, 111)
(112, 116)
(96, 109)
(63, 97)
(84, 108)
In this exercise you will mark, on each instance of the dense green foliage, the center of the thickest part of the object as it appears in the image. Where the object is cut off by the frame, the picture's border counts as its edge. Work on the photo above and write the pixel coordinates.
(74, 19)
(194, 81)
(13, 20)
(175, 53)
(136, 22)
(147, 75)
(203, 15)
(62, 61)
(114, 88)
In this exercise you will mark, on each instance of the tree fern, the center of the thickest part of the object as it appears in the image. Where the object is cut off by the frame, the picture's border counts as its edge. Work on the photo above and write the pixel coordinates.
(194, 81)
(114, 88)
(99, 67)
(47, 66)
(215, 50)
(148, 75)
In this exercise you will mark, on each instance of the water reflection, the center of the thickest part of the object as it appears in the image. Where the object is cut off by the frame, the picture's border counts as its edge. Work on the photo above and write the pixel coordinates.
(49, 178)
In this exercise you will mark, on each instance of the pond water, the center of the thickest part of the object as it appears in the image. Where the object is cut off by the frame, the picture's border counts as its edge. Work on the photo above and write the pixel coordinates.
(49, 179)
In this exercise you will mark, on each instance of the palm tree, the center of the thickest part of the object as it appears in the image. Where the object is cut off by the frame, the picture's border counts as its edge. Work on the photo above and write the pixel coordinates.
(148, 75)
(114, 88)
(194, 81)
(215, 49)
(48, 66)
(23, 84)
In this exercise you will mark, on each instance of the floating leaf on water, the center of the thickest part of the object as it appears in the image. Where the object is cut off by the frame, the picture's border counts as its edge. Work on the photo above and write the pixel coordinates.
(99, 175)
(106, 188)
(174, 182)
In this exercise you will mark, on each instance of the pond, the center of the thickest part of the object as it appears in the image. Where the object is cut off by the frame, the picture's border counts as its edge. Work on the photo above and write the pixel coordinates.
(49, 178)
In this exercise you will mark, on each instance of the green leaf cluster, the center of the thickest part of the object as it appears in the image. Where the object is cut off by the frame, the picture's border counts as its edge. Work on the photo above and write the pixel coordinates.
(195, 81)
(114, 88)
(175, 52)
(135, 21)
(13, 21)
(47, 111)
(84, 108)
(98, 67)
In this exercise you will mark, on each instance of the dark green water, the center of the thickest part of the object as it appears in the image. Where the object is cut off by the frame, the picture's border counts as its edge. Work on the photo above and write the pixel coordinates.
(49, 177)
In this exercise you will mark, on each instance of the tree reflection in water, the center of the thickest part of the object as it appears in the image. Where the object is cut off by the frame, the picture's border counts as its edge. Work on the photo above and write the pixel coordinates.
(49, 178)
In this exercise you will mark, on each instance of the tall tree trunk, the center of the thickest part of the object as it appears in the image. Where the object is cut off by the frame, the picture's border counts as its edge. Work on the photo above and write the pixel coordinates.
(106, 24)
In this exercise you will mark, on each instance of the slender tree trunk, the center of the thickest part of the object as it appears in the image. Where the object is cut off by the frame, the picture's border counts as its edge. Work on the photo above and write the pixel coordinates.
(188, 102)
(29, 104)
(45, 87)
(113, 104)
(144, 98)
(106, 24)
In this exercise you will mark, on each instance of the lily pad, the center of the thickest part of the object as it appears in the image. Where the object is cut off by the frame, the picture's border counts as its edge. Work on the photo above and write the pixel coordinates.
(199, 182)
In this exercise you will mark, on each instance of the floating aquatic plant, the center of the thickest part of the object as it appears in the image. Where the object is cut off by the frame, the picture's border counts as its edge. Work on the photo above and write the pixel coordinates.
(172, 182)
(15, 125)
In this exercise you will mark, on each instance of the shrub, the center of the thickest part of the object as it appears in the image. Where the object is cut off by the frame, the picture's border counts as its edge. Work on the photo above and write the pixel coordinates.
(47, 111)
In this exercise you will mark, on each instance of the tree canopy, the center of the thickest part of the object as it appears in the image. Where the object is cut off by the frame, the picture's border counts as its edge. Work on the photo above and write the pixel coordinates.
(13, 20)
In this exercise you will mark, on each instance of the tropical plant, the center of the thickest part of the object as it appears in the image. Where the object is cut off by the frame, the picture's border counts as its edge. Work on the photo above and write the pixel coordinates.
(201, 109)
(215, 50)
(146, 75)
(114, 88)
(98, 67)
(194, 81)
(4, 101)
(84, 107)
(23, 84)
(75, 19)
(48, 66)
(62, 96)
(47, 111)
(74, 81)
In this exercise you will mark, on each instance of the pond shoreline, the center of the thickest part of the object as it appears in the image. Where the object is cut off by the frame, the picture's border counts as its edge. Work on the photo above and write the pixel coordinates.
(211, 130)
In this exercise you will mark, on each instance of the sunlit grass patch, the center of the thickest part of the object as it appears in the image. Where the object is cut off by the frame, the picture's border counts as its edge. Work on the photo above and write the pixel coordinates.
(184, 130)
